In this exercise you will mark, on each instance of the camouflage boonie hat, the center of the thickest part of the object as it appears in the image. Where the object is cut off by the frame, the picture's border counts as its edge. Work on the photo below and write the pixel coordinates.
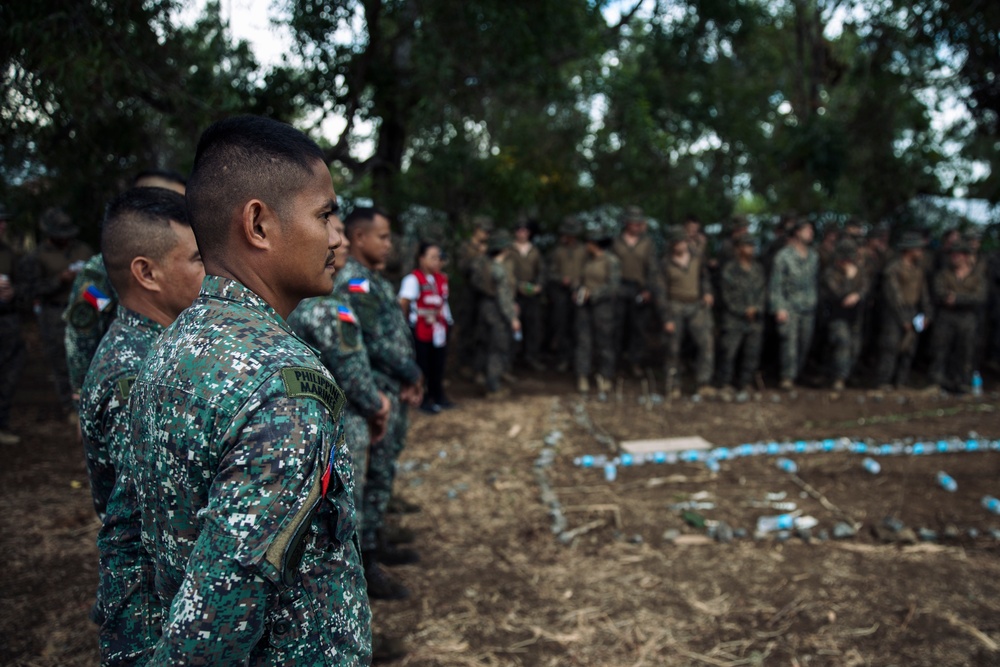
(675, 234)
(845, 250)
(499, 240)
(483, 222)
(910, 241)
(570, 226)
(55, 223)
(632, 214)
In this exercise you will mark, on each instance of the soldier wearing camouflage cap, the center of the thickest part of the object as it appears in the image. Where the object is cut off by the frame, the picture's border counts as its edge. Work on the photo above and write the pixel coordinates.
(244, 479)
(844, 286)
(600, 280)
(637, 257)
(743, 290)
(565, 263)
(58, 261)
(959, 292)
(793, 296)
(497, 317)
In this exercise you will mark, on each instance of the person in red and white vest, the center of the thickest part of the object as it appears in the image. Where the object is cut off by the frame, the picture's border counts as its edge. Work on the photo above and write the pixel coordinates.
(423, 296)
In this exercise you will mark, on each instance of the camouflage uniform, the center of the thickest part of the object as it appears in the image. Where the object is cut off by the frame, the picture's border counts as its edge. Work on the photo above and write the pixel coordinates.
(954, 337)
(741, 289)
(85, 323)
(496, 313)
(389, 343)
(528, 269)
(329, 325)
(793, 288)
(127, 603)
(565, 264)
(679, 293)
(595, 319)
(904, 295)
(844, 325)
(53, 297)
(12, 355)
(245, 488)
(638, 274)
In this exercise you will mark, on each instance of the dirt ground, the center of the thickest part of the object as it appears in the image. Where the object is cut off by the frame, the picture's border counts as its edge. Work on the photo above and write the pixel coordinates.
(496, 586)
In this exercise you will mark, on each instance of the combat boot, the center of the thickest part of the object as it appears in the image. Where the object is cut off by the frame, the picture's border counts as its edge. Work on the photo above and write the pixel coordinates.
(582, 384)
(386, 648)
(400, 505)
(8, 438)
(381, 586)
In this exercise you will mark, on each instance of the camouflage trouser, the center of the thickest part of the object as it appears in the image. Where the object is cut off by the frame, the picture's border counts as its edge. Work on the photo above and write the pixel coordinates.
(595, 330)
(494, 338)
(532, 326)
(695, 320)
(632, 324)
(845, 344)
(953, 342)
(738, 333)
(12, 358)
(560, 321)
(896, 349)
(382, 472)
(53, 332)
(130, 607)
(796, 338)
(357, 437)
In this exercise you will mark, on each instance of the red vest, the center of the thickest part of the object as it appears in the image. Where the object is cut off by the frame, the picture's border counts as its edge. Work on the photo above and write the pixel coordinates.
(430, 304)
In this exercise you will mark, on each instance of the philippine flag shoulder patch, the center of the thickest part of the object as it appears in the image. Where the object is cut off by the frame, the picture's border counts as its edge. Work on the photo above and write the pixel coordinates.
(97, 298)
(345, 315)
(359, 286)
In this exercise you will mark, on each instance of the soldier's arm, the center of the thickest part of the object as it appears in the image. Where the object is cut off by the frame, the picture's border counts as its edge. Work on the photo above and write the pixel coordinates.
(383, 352)
(661, 290)
(776, 289)
(262, 506)
(976, 293)
(730, 291)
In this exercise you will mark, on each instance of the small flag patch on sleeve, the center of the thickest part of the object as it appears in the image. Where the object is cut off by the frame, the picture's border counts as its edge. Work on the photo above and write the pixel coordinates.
(345, 315)
(97, 298)
(359, 286)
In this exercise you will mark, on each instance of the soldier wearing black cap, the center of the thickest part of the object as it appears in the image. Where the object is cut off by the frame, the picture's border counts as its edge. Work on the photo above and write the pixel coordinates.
(11, 343)
(904, 297)
(845, 286)
(565, 263)
(58, 260)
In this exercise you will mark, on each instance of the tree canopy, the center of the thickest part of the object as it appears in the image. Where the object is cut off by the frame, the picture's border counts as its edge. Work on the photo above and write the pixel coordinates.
(705, 107)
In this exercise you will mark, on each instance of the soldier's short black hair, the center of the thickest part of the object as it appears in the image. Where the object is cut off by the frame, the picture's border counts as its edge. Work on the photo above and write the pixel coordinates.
(242, 158)
(361, 218)
(137, 224)
(164, 174)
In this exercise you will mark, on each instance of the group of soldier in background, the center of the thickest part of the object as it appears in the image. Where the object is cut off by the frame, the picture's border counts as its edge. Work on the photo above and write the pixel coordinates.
(616, 306)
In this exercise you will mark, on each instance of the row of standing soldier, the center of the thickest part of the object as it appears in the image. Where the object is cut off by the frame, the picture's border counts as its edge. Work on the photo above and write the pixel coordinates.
(604, 297)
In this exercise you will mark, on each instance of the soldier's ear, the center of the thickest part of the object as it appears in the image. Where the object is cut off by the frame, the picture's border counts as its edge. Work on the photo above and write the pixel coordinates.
(258, 223)
(143, 271)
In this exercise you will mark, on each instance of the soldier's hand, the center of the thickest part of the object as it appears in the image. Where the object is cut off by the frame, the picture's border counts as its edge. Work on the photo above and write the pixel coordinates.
(950, 299)
(644, 296)
(383, 412)
(669, 327)
(515, 324)
(851, 300)
(377, 428)
(781, 316)
(709, 300)
(751, 313)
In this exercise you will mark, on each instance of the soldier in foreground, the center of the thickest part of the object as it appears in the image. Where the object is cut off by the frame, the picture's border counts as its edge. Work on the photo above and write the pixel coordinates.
(244, 480)
(154, 265)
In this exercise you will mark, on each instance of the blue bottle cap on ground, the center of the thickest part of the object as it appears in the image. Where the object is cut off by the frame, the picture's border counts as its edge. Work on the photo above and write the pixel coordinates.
(942, 445)
(587, 461)
(772, 448)
(828, 445)
(625, 459)
(659, 457)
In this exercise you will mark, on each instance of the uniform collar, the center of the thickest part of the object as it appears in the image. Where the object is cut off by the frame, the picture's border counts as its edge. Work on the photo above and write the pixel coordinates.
(228, 289)
(134, 320)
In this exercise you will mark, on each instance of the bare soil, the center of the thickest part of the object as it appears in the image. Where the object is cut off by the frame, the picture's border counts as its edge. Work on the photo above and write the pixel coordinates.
(496, 586)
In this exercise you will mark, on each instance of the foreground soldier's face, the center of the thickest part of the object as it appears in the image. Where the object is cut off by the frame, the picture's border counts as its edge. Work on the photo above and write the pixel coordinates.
(308, 237)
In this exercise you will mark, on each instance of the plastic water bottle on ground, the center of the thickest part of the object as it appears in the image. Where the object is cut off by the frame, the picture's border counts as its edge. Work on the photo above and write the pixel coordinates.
(871, 465)
(946, 482)
(787, 465)
(977, 384)
(991, 504)
(771, 524)
(610, 471)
